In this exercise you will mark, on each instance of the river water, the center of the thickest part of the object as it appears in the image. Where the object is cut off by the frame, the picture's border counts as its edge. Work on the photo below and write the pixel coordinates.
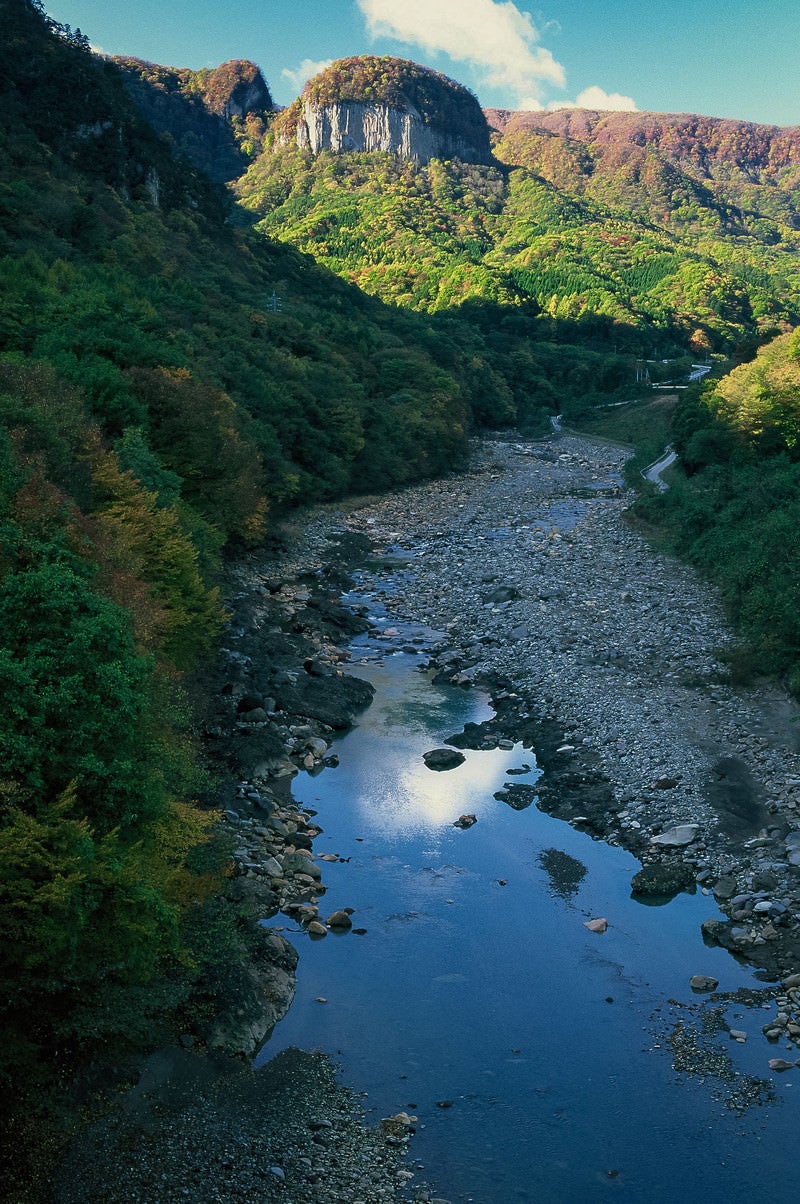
(538, 1056)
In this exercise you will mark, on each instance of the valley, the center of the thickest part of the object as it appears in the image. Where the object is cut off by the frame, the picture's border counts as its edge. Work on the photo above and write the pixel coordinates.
(324, 440)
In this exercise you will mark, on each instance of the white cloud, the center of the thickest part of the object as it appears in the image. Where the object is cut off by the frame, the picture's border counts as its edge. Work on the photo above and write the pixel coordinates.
(492, 35)
(301, 74)
(596, 98)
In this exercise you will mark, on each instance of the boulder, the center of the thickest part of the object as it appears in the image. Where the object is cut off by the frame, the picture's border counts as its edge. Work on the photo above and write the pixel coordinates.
(502, 593)
(339, 920)
(296, 863)
(663, 880)
(678, 835)
(251, 996)
(332, 700)
(725, 888)
(701, 983)
(440, 759)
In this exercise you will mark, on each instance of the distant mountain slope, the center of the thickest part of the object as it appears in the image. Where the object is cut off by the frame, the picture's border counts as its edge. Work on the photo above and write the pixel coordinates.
(683, 226)
(675, 168)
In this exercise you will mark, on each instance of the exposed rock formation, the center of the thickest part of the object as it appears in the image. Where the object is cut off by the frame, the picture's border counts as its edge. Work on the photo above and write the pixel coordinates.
(389, 105)
(378, 127)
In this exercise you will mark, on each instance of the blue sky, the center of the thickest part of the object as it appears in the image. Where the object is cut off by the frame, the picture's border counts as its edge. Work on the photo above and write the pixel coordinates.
(724, 58)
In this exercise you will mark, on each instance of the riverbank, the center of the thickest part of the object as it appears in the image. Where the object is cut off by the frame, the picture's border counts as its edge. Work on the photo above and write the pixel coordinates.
(600, 654)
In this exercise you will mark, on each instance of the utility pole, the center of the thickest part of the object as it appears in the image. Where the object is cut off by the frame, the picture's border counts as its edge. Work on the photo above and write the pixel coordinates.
(274, 305)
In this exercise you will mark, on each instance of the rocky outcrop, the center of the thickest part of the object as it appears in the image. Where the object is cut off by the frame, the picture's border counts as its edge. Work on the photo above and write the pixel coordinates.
(196, 109)
(389, 105)
(361, 126)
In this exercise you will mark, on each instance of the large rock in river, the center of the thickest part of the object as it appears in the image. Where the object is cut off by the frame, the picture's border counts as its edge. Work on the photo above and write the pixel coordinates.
(443, 758)
(333, 700)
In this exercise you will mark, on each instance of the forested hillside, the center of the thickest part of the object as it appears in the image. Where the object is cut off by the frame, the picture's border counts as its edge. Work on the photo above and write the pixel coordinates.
(683, 230)
(734, 509)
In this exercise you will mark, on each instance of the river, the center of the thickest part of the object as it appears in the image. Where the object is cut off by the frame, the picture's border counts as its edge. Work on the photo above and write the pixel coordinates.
(545, 1062)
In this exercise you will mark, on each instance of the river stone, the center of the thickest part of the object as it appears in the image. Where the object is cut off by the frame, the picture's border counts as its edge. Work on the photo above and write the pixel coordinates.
(316, 746)
(502, 593)
(256, 715)
(725, 888)
(661, 879)
(443, 758)
(599, 925)
(701, 982)
(296, 863)
(340, 920)
(676, 836)
(780, 1064)
(465, 821)
(317, 929)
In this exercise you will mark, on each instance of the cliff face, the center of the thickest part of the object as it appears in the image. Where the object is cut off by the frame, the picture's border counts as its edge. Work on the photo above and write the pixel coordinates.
(359, 126)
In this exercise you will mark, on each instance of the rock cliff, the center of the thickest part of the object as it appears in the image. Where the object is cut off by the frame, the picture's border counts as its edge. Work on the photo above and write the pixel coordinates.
(379, 127)
(389, 105)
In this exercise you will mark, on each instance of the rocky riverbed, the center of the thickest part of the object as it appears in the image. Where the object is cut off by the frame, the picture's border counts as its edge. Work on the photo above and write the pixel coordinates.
(599, 653)
(601, 647)
(607, 658)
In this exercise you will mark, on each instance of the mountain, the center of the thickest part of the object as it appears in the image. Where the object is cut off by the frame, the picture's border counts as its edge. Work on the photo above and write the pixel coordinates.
(389, 105)
(668, 167)
(683, 228)
(215, 118)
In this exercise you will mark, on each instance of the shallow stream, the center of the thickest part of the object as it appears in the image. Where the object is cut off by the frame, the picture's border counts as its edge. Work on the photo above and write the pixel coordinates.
(538, 1055)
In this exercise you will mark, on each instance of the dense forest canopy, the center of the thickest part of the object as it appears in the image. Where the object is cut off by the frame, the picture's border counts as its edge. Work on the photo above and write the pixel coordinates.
(734, 510)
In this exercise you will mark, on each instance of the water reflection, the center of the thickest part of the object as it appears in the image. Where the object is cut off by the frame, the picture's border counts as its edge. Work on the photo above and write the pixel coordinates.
(399, 796)
(394, 794)
(566, 873)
